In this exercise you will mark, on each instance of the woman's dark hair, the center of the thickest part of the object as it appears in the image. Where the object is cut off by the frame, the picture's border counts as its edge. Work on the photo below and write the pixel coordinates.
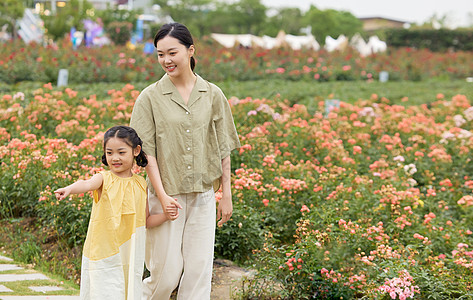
(129, 136)
(179, 32)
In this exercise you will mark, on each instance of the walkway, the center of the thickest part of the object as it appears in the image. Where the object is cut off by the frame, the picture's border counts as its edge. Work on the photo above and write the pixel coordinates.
(31, 285)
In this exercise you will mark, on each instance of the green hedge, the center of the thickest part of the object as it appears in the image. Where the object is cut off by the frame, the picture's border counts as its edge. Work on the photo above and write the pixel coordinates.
(434, 40)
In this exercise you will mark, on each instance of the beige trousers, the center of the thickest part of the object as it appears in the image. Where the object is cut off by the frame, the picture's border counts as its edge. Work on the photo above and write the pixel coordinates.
(180, 252)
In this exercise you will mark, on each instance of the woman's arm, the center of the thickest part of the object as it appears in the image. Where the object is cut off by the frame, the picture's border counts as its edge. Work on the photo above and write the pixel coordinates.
(80, 186)
(225, 206)
(167, 202)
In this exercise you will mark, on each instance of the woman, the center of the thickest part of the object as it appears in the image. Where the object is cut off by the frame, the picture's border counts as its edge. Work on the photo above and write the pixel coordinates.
(188, 133)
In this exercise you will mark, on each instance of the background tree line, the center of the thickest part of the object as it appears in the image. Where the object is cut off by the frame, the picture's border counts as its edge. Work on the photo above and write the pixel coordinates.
(251, 16)
(201, 16)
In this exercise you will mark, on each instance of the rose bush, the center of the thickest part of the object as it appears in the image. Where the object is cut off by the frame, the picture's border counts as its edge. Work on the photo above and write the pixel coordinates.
(19, 62)
(369, 200)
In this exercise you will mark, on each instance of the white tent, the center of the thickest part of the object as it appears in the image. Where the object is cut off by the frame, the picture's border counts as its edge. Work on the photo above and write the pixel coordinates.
(230, 40)
(339, 44)
(359, 44)
(302, 41)
(296, 42)
(267, 42)
(376, 45)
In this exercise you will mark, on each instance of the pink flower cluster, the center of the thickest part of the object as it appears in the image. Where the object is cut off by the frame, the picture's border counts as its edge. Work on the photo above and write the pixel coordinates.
(466, 200)
(402, 286)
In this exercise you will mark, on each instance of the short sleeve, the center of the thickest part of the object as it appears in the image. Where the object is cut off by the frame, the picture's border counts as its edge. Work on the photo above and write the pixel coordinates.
(142, 121)
(227, 136)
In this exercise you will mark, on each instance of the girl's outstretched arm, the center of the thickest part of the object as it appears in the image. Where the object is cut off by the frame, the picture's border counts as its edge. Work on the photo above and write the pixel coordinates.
(80, 186)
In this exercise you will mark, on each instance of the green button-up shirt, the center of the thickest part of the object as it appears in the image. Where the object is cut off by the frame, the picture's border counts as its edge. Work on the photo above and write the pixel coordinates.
(188, 141)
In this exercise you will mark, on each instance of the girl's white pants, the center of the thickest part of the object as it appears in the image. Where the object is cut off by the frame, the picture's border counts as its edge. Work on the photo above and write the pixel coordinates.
(180, 252)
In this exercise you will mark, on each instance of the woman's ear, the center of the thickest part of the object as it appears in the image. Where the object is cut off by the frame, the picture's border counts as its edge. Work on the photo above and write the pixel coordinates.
(136, 151)
(191, 50)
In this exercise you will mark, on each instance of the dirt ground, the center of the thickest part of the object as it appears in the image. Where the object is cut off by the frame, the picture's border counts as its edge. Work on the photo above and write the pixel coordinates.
(226, 278)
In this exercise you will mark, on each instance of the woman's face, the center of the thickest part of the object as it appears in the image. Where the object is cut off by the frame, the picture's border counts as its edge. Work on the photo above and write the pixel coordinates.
(174, 57)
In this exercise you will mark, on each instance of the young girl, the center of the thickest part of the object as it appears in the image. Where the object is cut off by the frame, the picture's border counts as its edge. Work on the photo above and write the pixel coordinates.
(113, 254)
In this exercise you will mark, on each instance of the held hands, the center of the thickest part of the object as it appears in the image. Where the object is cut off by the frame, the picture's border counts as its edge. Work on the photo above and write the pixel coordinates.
(225, 209)
(170, 207)
(62, 193)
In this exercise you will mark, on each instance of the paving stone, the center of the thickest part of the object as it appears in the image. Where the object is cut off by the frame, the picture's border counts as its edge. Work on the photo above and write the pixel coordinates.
(45, 289)
(39, 297)
(9, 267)
(5, 258)
(4, 289)
(18, 277)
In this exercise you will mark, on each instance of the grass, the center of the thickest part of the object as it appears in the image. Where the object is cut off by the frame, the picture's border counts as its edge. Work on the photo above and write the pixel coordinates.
(309, 93)
(34, 246)
(303, 92)
(21, 288)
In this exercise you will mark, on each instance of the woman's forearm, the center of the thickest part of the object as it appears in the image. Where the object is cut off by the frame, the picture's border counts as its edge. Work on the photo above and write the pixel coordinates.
(226, 176)
(155, 177)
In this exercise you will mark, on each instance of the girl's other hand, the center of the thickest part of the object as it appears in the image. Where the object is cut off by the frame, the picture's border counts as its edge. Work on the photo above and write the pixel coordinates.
(62, 193)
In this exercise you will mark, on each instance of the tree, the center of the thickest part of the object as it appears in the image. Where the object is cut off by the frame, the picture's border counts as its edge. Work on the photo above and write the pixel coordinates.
(287, 19)
(192, 13)
(10, 11)
(331, 22)
(250, 16)
(67, 17)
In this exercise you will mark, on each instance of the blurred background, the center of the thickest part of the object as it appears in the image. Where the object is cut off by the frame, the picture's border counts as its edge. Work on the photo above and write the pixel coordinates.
(99, 22)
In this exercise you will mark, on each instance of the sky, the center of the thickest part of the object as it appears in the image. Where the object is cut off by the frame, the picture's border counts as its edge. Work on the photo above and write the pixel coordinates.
(458, 12)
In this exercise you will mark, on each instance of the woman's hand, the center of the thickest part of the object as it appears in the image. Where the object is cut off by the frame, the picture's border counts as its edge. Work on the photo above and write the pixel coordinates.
(225, 209)
(170, 207)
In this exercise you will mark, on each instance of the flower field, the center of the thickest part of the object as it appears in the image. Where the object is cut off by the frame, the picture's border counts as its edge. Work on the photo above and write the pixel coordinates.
(368, 200)
(216, 63)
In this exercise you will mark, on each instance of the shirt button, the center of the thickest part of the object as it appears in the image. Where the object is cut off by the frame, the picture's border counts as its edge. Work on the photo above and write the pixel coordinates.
(188, 167)
(188, 130)
(188, 148)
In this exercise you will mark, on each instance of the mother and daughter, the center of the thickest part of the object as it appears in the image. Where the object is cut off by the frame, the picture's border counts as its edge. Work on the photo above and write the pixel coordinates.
(182, 132)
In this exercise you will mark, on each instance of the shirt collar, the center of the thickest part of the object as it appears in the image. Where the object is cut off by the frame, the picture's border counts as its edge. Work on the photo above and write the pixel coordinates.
(168, 87)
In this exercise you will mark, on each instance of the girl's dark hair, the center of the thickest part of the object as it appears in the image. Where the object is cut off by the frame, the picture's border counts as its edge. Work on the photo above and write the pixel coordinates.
(179, 32)
(129, 136)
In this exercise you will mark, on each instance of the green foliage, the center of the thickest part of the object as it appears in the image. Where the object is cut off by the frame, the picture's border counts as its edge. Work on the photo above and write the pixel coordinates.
(331, 23)
(111, 15)
(287, 19)
(193, 13)
(10, 11)
(71, 15)
(119, 32)
(434, 40)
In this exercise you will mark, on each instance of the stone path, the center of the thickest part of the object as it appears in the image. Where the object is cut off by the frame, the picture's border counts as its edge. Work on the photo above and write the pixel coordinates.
(16, 280)
(37, 286)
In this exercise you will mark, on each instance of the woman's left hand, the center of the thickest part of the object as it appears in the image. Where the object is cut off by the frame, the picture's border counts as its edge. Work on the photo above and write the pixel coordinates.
(225, 209)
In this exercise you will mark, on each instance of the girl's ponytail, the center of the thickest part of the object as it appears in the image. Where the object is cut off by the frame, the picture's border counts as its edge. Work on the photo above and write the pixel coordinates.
(141, 159)
(104, 160)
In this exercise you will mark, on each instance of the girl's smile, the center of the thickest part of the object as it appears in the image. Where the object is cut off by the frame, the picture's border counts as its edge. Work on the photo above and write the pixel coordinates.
(120, 156)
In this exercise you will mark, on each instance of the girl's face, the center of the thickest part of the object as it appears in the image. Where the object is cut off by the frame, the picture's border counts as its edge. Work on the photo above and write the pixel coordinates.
(174, 57)
(120, 156)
